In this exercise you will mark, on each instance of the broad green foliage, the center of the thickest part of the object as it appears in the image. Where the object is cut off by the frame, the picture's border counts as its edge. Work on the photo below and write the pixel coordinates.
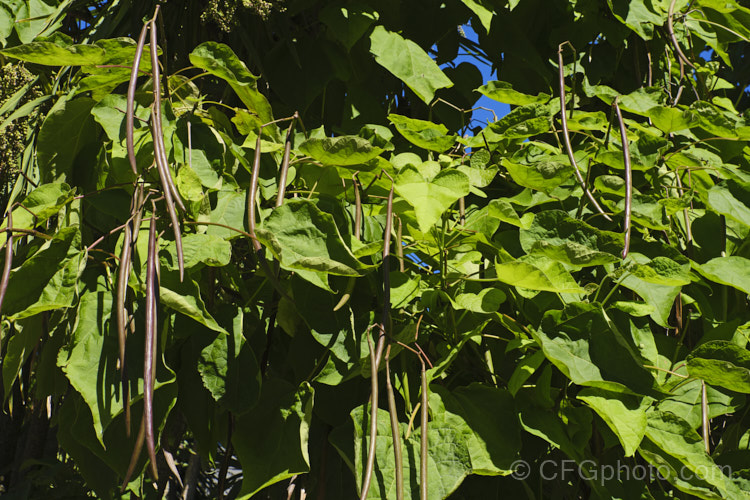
(551, 337)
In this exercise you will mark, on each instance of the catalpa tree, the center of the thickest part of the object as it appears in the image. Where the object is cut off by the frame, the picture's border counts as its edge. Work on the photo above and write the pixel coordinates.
(267, 249)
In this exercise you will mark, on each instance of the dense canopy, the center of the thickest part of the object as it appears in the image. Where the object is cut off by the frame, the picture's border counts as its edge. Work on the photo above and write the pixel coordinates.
(293, 260)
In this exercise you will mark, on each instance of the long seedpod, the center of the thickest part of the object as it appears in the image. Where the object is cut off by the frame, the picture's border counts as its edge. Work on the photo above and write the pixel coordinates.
(628, 178)
(423, 439)
(149, 355)
(168, 187)
(357, 233)
(566, 136)
(376, 353)
(251, 195)
(395, 432)
(285, 163)
(135, 455)
(369, 467)
(121, 294)
(130, 114)
(8, 262)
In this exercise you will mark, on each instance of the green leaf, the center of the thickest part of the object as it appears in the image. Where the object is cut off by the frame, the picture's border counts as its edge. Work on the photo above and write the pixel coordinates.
(732, 271)
(205, 249)
(523, 121)
(47, 280)
(560, 237)
(408, 62)
(541, 176)
(504, 92)
(623, 413)
(185, 298)
(19, 348)
(229, 369)
(272, 440)
(488, 419)
(663, 271)
(230, 211)
(679, 454)
(423, 134)
(303, 237)
(486, 301)
(537, 273)
(660, 297)
(221, 61)
(638, 15)
(431, 199)
(582, 345)
(721, 363)
(92, 348)
(348, 24)
(68, 128)
(483, 12)
(731, 198)
(448, 455)
(669, 120)
(44, 202)
(344, 150)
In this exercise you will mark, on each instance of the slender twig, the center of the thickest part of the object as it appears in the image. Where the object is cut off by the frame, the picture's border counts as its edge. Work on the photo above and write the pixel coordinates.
(566, 134)
(395, 432)
(628, 178)
(130, 114)
(8, 263)
(285, 163)
(149, 357)
(423, 442)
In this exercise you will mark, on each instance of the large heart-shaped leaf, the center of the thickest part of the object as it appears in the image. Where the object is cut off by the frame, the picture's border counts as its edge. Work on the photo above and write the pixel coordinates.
(431, 199)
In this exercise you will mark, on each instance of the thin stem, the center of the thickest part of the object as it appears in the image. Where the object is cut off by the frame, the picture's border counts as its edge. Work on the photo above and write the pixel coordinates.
(395, 432)
(135, 456)
(566, 134)
(628, 178)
